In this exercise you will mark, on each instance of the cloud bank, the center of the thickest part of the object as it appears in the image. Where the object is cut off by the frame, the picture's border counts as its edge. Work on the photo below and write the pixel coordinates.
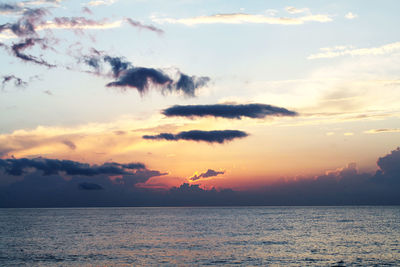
(33, 186)
(228, 111)
(197, 135)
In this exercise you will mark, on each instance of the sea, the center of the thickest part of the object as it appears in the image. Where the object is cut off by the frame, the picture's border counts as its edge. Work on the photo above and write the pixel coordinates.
(198, 236)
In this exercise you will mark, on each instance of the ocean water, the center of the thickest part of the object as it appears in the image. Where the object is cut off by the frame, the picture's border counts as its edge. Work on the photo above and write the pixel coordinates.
(290, 236)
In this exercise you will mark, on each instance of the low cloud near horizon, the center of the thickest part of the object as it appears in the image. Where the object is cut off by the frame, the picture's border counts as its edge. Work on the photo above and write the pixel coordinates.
(39, 187)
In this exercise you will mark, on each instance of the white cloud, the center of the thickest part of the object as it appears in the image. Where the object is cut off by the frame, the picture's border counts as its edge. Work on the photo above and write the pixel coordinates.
(293, 10)
(338, 51)
(351, 15)
(101, 2)
(241, 18)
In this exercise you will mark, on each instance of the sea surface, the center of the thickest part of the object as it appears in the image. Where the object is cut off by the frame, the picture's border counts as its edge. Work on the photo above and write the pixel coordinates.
(281, 236)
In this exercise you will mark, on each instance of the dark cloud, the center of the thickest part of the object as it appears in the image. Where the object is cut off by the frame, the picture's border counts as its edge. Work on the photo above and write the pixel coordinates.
(207, 174)
(228, 111)
(69, 144)
(26, 25)
(90, 186)
(143, 26)
(389, 165)
(117, 64)
(140, 78)
(346, 186)
(189, 84)
(197, 135)
(18, 82)
(18, 167)
(29, 42)
(87, 10)
(10, 8)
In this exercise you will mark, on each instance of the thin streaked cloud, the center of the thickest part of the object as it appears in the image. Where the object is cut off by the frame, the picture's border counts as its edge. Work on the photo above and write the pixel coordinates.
(294, 10)
(383, 130)
(242, 18)
(337, 51)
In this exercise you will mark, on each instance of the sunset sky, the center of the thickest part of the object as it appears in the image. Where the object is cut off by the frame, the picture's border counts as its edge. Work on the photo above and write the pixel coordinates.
(93, 81)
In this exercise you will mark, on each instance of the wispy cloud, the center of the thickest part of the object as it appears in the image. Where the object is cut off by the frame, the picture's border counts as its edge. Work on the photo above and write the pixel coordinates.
(294, 10)
(383, 130)
(337, 51)
(18, 82)
(139, 25)
(79, 23)
(30, 24)
(19, 47)
(101, 2)
(242, 18)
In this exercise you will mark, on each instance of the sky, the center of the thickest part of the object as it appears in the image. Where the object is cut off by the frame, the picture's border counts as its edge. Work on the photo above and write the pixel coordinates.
(150, 102)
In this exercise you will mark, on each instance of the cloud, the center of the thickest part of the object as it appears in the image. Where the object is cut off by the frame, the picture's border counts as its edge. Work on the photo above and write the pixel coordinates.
(101, 2)
(383, 130)
(90, 186)
(141, 78)
(69, 144)
(9, 8)
(87, 10)
(343, 186)
(18, 82)
(390, 166)
(79, 23)
(197, 135)
(228, 111)
(41, 2)
(25, 26)
(350, 51)
(32, 21)
(18, 167)
(293, 10)
(29, 42)
(350, 15)
(241, 18)
(189, 84)
(117, 64)
(142, 26)
(207, 174)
